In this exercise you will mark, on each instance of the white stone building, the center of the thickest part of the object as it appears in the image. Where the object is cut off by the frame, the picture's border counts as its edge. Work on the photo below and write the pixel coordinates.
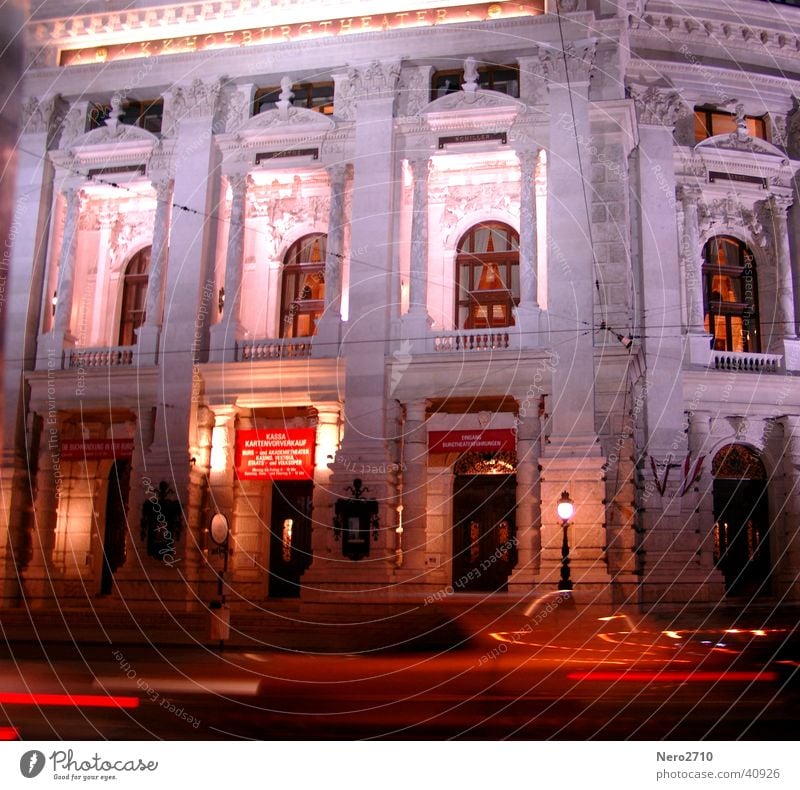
(470, 255)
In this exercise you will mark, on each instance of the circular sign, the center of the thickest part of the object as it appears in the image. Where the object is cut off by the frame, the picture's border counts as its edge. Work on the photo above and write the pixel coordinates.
(219, 529)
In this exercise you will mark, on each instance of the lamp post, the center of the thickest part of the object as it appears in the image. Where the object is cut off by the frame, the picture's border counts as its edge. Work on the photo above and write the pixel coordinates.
(565, 509)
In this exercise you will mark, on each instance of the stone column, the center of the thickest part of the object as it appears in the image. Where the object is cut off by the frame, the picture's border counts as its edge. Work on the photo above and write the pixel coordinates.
(528, 297)
(39, 574)
(228, 331)
(363, 347)
(333, 261)
(528, 516)
(328, 429)
(786, 549)
(418, 285)
(784, 335)
(66, 267)
(416, 322)
(692, 261)
(572, 459)
(527, 314)
(147, 334)
(329, 325)
(415, 485)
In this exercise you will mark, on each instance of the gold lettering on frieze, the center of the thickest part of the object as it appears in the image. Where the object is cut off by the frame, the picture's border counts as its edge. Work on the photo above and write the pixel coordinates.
(331, 27)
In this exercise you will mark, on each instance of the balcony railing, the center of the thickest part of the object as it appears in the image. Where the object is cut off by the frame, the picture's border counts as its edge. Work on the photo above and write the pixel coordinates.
(468, 340)
(108, 356)
(743, 361)
(257, 350)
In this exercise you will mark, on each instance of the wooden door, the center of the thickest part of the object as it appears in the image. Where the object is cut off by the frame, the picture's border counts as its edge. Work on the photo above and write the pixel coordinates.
(484, 543)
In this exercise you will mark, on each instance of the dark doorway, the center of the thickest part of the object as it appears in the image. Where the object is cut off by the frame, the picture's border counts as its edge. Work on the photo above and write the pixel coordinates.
(119, 484)
(484, 544)
(290, 537)
(741, 522)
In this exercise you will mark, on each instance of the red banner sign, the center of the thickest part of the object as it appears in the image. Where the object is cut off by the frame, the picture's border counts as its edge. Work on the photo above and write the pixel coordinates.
(494, 441)
(275, 454)
(96, 449)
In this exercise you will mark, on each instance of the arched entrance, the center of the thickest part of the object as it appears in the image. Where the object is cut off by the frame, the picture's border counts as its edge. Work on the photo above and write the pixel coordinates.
(484, 507)
(741, 520)
(119, 484)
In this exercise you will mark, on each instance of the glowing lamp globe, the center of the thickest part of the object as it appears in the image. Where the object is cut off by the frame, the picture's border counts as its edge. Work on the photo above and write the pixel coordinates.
(565, 507)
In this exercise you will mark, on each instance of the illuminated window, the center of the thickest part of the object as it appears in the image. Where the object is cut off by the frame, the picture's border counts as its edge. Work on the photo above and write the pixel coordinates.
(730, 295)
(487, 276)
(134, 296)
(146, 114)
(303, 290)
(316, 96)
(709, 122)
(503, 79)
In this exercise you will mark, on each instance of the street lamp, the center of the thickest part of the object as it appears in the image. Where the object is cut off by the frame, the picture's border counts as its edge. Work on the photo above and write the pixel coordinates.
(565, 509)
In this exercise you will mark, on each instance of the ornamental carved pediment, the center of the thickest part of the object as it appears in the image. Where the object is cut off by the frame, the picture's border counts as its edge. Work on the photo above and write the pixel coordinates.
(120, 133)
(737, 142)
(291, 118)
(473, 100)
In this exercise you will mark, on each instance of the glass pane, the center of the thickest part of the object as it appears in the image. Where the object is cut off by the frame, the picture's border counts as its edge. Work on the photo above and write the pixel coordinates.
(726, 289)
(700, 128)
(722, 123)
(737, 343)
(491, 279)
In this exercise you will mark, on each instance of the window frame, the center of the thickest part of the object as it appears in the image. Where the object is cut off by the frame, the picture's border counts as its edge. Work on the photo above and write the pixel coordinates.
(756, 126)
(488, 76)
(475, 300)
(294, 307)
(98, 113)
(304, 96)
(133, 307)
(746, 310)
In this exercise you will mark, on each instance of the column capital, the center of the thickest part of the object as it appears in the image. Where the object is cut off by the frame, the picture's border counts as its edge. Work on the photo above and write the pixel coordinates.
(416, 410)
(528, 160)
(571, 64)
(689, 194)
(421, 167)
(779, 204)
(337, 173)
(656, 106)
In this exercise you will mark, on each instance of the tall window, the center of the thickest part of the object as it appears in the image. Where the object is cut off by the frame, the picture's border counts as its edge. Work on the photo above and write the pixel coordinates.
(134, 295)
(303, 291)
(730, 294)
(487, 276)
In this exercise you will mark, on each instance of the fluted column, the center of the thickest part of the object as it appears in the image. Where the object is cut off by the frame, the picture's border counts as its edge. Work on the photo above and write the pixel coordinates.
(147, 335)
(66, 265)
(692, 263)
(415, 484)
(788, 543)
(528, 276)
(227, 332)
(418, 287)
(158, 255)
(333, 260)
(778, 206)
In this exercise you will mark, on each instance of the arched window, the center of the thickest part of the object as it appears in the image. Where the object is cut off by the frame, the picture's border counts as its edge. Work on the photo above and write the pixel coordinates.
(303, 290)
(730, 295)
(487, 276)
(134, 296)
